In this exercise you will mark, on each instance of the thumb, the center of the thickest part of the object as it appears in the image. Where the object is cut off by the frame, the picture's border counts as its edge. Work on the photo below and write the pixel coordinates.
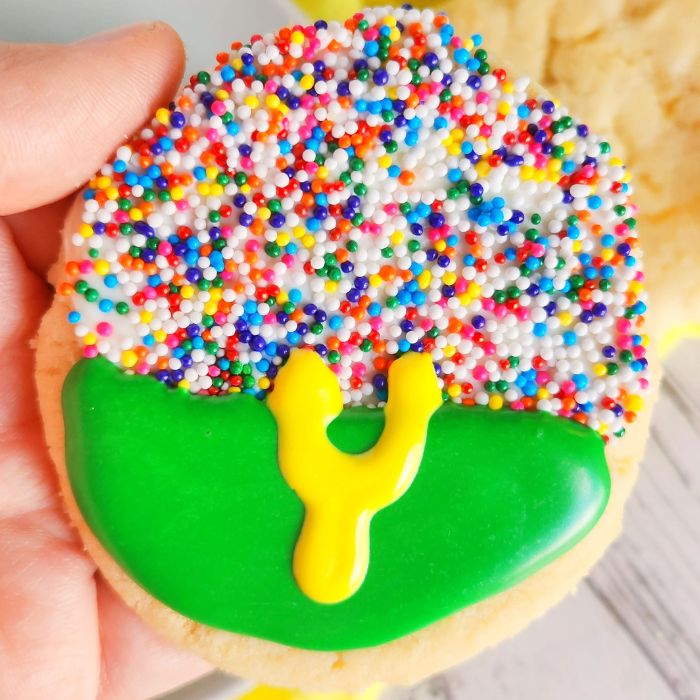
(64, 109)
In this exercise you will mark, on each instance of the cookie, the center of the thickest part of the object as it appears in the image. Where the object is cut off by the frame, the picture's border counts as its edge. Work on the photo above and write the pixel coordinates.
(346, 372)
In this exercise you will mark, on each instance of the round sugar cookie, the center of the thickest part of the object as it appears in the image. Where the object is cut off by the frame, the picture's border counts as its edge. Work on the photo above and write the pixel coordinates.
(346, 375)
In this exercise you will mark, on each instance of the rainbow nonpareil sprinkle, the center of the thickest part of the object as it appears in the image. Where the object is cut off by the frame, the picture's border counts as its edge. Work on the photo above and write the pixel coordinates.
(367, 189)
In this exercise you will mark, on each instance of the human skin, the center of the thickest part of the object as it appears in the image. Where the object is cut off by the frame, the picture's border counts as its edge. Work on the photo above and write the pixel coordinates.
(63, 109)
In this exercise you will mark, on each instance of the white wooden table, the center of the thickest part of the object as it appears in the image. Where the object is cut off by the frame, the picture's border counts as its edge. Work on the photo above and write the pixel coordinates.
(632, 630)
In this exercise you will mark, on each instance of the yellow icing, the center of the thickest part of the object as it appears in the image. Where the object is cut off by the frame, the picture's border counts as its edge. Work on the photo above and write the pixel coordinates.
(341, 492)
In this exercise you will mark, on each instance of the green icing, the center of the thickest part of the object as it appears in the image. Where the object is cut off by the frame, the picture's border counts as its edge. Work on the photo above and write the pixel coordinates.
(186, 495)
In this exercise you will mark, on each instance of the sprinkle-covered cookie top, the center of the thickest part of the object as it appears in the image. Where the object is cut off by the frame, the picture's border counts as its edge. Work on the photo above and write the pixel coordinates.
(367, 189)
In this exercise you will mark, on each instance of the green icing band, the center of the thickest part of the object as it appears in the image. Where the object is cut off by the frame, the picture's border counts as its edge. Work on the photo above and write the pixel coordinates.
(185, 494)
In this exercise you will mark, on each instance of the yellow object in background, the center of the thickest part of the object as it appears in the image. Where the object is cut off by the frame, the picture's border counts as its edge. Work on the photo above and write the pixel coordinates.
(674, 335)
(330, 9)
(266, 692)
(342, 9)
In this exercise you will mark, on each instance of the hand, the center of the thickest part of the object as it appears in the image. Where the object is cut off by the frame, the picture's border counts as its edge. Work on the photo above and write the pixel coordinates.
(63, 110)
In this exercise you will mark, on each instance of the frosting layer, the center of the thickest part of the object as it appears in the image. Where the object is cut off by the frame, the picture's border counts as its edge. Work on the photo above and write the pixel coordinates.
(186, 495)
